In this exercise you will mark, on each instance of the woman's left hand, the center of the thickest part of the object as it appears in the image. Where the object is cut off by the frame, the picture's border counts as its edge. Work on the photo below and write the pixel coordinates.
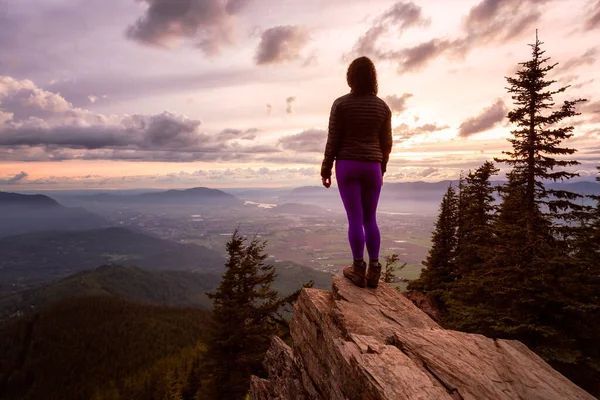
(326, 182)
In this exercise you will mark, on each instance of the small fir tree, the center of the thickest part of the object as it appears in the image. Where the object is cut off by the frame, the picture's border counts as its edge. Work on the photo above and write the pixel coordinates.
(439, 269)
(475, 228)
(391, 267)
(243, 308)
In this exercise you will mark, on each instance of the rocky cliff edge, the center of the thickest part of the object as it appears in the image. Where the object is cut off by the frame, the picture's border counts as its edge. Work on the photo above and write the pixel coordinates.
(365, 344)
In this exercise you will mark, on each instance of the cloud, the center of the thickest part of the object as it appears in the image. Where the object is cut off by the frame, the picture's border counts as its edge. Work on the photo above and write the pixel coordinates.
(311, 140)
(404, 132)
(417, 57)
(232, 134)
(485, 120)
(400, 16)
(40, 125)
(591, 110)
(281, 44)
(290, 102)
(428, 171)
(398, 104)
(210, 176)
(584, 83)
(23, 99)
(501, 20)
(593, 21)
(164, 131)
(15, 179)
(587, 58)
(490, 21)
(210, 24)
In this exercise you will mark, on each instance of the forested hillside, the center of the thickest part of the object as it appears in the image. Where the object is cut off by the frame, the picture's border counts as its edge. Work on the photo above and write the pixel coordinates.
(85, 346)
(46, 256)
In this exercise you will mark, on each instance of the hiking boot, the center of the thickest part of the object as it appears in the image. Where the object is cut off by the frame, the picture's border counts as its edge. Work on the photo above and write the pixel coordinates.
(356, 273)
(373, 275)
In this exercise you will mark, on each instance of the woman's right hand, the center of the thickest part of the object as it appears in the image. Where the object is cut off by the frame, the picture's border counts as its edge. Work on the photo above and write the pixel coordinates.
(326, 182)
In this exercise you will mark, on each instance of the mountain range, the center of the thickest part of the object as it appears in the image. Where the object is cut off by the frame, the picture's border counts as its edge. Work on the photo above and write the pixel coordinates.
(21, 213)
(41, 257)
(144, 286)
(201, 196)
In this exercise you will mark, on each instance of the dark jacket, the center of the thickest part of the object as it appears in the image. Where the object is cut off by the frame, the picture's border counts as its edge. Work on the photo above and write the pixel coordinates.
(360, 128)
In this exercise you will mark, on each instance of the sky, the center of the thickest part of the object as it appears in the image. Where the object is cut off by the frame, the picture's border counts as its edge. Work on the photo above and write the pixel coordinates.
(117, 94)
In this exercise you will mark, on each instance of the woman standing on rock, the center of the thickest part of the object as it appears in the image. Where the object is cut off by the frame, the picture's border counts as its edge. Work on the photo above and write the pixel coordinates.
(360, 142)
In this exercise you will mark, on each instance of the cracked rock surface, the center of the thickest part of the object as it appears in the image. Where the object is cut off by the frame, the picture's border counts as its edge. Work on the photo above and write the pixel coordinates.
(374, 344)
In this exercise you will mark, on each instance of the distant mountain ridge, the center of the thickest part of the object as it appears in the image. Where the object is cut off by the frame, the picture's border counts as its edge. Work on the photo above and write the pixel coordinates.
(41, 257)
(17, 199)
(23, 213)
(197, 195)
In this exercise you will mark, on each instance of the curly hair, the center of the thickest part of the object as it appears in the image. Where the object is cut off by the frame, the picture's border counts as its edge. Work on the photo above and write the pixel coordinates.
(362, 76)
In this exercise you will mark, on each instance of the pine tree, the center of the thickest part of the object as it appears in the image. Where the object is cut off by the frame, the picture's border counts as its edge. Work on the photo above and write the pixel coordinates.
(243, 307)
(474, 247)
(536, 143)
(390, 268)
(475, 230)
(439, 269)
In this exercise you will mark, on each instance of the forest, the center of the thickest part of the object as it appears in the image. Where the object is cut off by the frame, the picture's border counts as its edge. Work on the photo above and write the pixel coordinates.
(526, 267)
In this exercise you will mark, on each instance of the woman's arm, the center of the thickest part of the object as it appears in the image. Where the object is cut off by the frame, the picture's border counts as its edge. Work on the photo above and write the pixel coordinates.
(333, 141)
(386, 141)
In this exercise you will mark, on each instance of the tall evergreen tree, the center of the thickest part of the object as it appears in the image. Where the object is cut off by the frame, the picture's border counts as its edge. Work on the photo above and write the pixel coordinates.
(440, 265)
(536, 143)
(243, 308)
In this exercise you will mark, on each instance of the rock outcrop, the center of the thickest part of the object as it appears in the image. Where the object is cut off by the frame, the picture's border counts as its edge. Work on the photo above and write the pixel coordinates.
(374, 344)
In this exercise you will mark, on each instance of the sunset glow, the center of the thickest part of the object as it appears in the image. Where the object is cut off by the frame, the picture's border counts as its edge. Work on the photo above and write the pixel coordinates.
(107, 94)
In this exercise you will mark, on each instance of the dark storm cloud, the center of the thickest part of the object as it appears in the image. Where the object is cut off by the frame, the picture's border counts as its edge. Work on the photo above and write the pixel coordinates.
(208, 23)
(404, 132)
(487, 119)
(400, 16)
(587, 58)
(15, 179)
(281, 44)
(398, 104)
(311, 140)
(593, 21)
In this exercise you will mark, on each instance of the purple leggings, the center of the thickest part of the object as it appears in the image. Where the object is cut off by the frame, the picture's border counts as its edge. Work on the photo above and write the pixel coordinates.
(360, 183)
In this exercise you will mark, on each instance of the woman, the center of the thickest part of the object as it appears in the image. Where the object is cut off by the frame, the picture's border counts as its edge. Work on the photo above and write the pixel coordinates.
(360, 142)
